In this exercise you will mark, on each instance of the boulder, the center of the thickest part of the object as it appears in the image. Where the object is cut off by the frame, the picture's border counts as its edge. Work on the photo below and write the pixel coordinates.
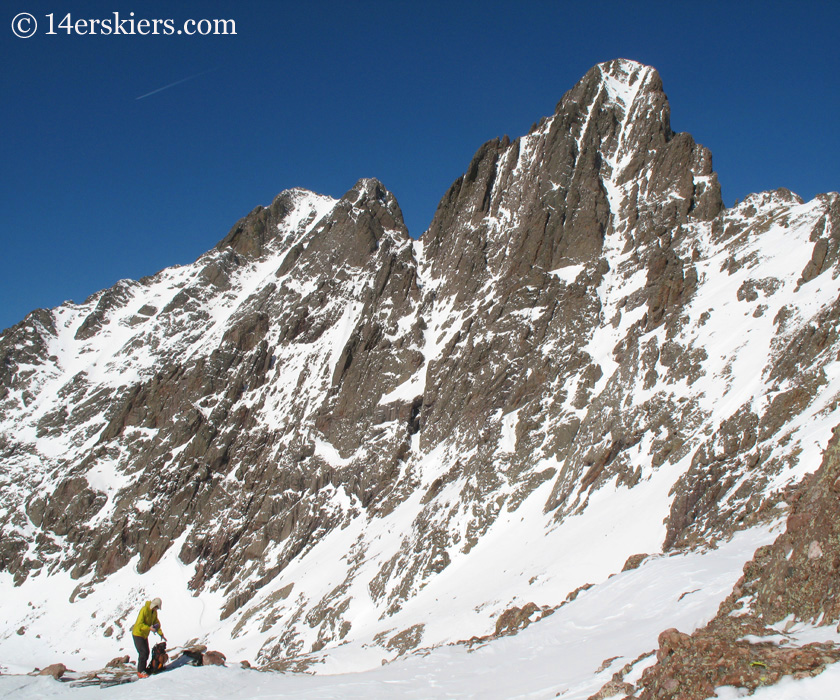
(213, 658)
(119, 661)
(54, 670)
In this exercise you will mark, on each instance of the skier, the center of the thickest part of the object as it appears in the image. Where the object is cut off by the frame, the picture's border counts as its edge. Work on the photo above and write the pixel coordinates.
(147, 621)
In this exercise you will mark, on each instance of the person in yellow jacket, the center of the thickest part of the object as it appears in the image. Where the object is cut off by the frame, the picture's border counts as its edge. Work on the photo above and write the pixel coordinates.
(147, 621)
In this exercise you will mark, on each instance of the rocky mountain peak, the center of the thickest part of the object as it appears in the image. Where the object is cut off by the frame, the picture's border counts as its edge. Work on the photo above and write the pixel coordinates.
(584, 354)
(606, 164)
(251, 236)
(366, 217)
(622, 84)
(370, 192)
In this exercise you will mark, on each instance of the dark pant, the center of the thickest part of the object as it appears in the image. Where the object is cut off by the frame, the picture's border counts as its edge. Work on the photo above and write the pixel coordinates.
(142, 645)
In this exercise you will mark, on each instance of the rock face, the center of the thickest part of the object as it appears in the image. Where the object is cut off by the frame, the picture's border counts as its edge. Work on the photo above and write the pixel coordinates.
(320, 415)
(797, 575)
(794, 580)
(691, 667)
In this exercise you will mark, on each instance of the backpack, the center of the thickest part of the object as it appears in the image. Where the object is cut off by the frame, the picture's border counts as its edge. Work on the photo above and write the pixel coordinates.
(159, 658)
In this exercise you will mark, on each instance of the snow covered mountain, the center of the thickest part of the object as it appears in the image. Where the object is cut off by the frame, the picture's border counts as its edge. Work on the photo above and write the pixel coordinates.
(324, 444)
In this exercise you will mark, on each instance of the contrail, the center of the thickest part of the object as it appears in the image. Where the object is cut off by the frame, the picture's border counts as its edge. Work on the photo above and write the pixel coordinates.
(177, 82)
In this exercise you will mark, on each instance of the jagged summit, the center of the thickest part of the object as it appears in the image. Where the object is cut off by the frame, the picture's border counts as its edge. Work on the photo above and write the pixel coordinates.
(251, 234)
(622, 83)
(605, 169)
(626, 76)
(322, 436)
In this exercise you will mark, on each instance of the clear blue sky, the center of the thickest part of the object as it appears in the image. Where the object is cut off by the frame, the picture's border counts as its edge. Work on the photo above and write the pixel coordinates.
(99, 185)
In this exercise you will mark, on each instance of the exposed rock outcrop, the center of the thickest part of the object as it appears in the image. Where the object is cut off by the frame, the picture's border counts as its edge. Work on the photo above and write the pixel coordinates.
(793, 580)
(583, 318)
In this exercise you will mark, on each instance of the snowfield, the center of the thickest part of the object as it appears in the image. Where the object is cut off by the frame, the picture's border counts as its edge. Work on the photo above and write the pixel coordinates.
(569, 654)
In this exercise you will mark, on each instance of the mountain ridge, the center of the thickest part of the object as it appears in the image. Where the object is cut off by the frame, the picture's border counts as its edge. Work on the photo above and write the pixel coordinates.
(584, 330)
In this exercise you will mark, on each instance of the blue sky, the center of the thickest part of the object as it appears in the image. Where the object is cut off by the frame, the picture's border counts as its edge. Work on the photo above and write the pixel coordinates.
(99, 185)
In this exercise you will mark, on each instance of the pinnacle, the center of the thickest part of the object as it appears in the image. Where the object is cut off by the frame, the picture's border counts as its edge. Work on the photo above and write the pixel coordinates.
(619, 82)
(369, 190)
(624, 69)
(625, 80)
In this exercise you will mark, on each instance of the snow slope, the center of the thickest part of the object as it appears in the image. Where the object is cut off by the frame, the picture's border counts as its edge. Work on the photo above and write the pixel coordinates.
(572, 652)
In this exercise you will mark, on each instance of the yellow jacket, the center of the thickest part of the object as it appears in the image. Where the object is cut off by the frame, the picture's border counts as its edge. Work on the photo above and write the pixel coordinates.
(145, 620)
